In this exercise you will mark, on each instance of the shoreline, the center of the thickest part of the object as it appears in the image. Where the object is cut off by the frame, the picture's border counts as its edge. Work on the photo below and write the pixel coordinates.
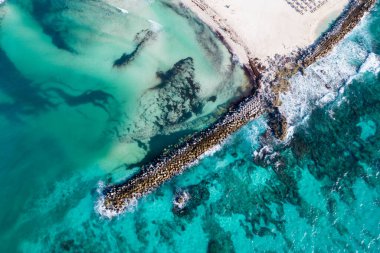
(345, 23)
(225, 33)
(275, 28)
(116, 198)
(255, 67)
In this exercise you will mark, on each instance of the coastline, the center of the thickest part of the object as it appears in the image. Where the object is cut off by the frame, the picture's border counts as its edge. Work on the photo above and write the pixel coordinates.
(262, 101)
(347, 21)
(275, 27)
(299, 56)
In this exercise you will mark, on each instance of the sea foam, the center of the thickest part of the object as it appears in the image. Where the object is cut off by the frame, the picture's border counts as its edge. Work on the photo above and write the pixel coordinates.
(322, 82)
(129, 206)
(325, 80)
(371, 64)
(124, 11)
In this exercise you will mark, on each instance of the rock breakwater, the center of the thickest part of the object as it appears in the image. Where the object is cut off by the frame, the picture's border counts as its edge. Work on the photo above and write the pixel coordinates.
(263, 101)
(345, 23)
(168, 165)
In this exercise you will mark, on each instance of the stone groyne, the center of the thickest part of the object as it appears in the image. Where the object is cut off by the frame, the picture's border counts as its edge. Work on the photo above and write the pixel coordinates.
(345, 23)
(168, 165)
(116, 197)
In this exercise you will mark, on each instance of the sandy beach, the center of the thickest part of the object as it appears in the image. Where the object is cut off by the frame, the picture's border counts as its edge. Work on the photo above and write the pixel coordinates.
(264, 28)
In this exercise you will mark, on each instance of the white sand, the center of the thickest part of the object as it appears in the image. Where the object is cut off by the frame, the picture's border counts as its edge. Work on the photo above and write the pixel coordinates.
(264, 28)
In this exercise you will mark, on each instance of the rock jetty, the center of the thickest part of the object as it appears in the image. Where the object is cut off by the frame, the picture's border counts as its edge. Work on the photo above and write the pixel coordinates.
(345, 23)
(172, 163)
(166, 166)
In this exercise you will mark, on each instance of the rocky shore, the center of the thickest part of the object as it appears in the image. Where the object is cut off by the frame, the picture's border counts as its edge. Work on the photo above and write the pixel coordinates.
(262, 101)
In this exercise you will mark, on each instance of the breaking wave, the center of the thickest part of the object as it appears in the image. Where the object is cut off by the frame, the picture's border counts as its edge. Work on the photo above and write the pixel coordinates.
(324, 81)
(371, 64)
(100, 208)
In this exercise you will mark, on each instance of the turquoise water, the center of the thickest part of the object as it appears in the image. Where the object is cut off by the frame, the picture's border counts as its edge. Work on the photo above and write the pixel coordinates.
(71, 121)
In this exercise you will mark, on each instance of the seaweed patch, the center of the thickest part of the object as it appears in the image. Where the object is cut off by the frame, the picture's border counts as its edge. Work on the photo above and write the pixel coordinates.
(141, 39)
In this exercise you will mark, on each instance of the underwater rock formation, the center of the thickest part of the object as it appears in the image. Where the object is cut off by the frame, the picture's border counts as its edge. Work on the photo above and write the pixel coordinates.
(141, 39)
(177, 93)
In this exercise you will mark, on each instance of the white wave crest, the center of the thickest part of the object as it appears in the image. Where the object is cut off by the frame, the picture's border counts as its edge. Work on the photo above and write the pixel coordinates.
(130, 205)
(124, 11)
(321, 83)
(371, 64)
(211, 151)
(254, 130)
(103, 211)
(208, 153)
(180, 201)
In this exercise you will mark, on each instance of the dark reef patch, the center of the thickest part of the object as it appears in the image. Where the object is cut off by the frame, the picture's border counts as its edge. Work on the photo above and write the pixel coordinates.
(26, 99)
(66, 21)
(339, 144)
(220, 240)
(173, 101)
(177, 94)
(215, 246)
(141, 39)
(277, 123)
(199, 194)
(212, 99)
(97, 98)
(53, 25)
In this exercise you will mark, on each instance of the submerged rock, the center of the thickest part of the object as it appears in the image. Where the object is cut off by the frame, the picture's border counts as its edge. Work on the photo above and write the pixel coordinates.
(180, 201)
(177, 95)
(141, 39)
(186, 201)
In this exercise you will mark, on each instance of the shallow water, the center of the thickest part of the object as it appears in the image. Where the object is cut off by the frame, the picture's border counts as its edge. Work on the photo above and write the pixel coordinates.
(72, 122)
